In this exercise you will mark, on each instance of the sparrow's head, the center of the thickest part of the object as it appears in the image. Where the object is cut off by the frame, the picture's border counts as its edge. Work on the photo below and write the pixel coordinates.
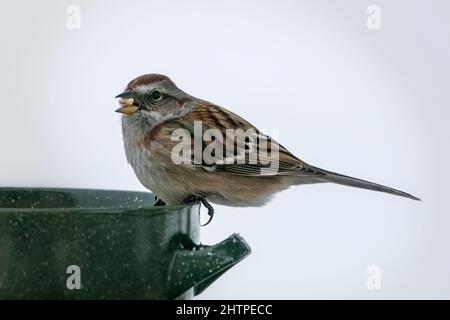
(153, 95)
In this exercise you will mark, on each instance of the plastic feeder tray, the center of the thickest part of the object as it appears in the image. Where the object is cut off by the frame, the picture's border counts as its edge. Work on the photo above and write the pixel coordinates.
(100, 244)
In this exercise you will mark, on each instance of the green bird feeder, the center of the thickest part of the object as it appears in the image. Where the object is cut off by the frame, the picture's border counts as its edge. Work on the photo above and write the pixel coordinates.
(100, 244)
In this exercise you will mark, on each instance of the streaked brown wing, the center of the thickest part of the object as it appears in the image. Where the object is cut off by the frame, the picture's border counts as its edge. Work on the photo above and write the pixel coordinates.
(216, 117)
(268, 156)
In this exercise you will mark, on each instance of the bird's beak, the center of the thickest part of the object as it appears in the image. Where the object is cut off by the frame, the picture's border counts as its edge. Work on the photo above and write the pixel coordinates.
(126, 102)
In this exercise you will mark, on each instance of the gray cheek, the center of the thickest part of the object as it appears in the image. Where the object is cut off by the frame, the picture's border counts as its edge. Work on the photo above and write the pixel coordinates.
(154, 118)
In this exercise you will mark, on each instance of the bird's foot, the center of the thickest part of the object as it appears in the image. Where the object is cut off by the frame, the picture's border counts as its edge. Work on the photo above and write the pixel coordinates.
(193, 198)
(159, 202)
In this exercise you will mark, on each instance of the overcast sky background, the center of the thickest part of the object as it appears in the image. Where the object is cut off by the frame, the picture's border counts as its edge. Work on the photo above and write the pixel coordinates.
(368, 103)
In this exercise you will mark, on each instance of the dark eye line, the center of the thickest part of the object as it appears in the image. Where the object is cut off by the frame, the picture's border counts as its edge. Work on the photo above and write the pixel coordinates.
(149, 99)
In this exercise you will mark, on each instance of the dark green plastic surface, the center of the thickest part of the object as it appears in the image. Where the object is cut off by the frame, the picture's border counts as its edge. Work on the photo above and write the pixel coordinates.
(124, 247)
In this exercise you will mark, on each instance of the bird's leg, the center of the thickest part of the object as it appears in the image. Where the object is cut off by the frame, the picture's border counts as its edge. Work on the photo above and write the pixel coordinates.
(159, 202)
(210, 210)
(193, 198)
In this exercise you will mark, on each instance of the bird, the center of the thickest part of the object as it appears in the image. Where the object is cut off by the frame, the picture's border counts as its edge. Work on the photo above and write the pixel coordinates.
(156, 113)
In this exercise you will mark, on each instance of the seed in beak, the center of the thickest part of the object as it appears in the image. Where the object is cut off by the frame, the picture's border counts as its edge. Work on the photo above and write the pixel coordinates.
(126, 102)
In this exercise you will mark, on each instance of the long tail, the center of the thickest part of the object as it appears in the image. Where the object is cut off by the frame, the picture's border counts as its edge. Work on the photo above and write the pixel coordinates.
(329, 176)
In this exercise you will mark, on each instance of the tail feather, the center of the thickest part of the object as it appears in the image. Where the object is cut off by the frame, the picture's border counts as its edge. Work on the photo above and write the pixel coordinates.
(329, 176)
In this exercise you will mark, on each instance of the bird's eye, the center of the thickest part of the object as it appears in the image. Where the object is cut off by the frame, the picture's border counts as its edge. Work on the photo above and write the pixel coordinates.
(156, 95)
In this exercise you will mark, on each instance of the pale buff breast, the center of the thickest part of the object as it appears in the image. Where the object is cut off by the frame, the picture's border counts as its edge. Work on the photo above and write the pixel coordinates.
(149, 154)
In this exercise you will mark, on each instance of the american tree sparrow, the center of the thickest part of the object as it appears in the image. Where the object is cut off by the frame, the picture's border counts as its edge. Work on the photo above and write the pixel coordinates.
(248, 171)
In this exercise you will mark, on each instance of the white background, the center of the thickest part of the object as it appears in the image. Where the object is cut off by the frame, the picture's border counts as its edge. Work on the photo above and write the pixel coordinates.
(368, 103)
